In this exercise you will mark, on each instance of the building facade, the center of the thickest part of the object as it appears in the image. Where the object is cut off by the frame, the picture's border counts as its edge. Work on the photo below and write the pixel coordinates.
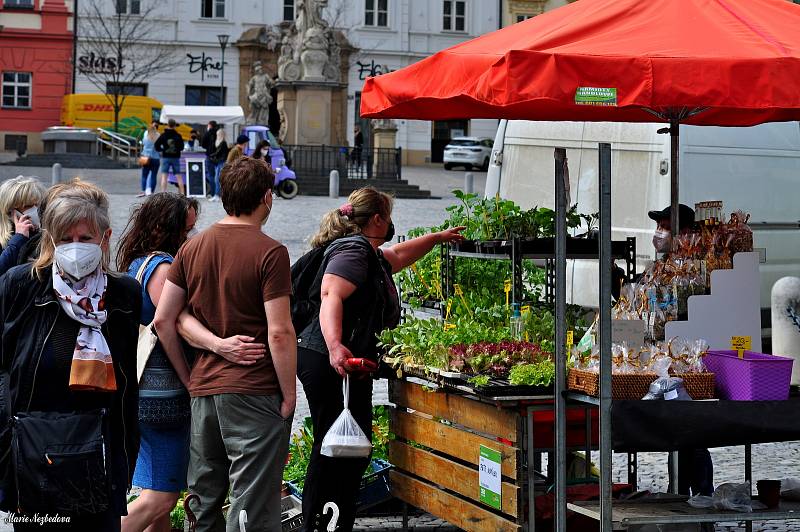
(36, 44)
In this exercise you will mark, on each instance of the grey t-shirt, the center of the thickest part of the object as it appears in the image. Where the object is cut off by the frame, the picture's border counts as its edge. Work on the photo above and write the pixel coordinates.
(352, 264)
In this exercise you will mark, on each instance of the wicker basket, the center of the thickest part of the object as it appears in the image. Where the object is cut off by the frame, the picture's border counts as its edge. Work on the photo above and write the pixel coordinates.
(636, 385)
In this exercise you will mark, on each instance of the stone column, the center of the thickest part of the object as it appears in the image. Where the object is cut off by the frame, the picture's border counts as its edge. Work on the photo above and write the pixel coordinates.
(384, 135)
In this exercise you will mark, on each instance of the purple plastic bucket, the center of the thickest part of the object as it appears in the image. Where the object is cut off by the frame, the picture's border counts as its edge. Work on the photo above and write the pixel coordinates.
(756, 377)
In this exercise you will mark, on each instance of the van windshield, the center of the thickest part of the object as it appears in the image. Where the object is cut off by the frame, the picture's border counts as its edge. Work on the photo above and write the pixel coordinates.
(463, 142)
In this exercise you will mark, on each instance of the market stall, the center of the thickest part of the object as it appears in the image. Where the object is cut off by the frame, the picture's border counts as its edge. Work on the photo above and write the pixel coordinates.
(698, 62)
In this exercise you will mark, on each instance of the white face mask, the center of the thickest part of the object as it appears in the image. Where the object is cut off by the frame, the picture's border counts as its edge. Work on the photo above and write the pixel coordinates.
(264, 151)
(78, 259)
(662, 241)
(33, 214)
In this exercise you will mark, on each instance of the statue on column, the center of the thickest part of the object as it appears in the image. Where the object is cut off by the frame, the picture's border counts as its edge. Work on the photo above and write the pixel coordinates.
(259, 94)
(310, 51)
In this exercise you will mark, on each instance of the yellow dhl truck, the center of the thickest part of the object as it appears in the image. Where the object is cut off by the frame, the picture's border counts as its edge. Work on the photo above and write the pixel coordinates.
(95, 110)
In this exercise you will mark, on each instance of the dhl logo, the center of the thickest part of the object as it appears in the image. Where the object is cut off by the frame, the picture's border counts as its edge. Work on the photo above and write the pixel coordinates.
(98, 107)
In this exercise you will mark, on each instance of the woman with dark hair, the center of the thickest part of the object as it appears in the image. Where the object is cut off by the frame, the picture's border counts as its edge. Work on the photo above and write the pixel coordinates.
(157, 229)
(262, 151)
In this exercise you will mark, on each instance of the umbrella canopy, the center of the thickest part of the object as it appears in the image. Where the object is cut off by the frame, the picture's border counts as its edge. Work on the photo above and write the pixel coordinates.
(197, 114)
(703, 62)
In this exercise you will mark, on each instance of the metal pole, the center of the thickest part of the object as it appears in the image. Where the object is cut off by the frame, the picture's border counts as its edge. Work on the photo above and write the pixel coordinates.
(560, 341)
(56, 174)
(674, 140)
(469, 181)
(222, 79)
(333, 184)
(531, 472)
(606, 466)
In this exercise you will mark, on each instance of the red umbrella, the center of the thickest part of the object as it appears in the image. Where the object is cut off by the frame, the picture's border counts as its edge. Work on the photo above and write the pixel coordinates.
(704, 62)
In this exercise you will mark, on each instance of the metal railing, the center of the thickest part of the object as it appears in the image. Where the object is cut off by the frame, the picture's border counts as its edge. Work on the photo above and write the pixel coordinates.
(117, 145)
(352, 163)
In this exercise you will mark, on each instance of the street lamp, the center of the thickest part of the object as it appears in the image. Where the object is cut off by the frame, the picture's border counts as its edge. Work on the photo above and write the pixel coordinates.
(223, 42)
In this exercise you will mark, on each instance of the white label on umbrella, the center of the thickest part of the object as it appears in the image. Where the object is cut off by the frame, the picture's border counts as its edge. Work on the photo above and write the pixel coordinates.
(596, 96)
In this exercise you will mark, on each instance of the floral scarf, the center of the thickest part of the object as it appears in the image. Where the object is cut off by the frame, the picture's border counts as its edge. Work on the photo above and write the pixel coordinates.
(84, 301)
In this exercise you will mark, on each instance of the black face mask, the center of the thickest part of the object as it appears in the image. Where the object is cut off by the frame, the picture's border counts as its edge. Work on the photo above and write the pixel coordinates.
(389, 232)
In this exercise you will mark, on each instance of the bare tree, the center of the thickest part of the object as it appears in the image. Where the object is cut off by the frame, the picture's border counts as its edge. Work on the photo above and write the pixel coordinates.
(119, 47)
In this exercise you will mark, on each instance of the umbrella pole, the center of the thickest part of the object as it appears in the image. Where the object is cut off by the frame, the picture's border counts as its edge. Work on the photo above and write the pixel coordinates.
(560, 341)
(674, 138)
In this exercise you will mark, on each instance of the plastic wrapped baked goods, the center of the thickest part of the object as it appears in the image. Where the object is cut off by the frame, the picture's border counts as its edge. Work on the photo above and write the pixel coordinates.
(741, 234)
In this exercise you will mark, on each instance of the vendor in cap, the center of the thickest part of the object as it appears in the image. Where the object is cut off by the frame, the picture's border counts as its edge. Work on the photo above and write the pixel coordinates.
(695, 469)
(662, 239)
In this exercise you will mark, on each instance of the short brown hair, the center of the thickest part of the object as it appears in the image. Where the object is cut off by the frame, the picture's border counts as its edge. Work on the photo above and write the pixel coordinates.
(244, 183)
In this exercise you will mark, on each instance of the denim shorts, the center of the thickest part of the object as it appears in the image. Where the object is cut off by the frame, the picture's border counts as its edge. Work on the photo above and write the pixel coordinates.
(171, 162)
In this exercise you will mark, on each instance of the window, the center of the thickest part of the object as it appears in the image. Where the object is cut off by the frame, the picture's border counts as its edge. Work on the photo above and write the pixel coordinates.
(376, 13)
(17, 90)
(196, 95)
(21, 4)
(521, 18)
(454, 15)
(213, 9)
(128, 89)
(288, 10)
(129, 7)
(17, 143)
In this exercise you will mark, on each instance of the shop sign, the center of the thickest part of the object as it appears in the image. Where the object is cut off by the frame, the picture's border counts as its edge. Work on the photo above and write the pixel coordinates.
(371, 69)
(94, 64)
(489, 477)
(204, 64)
(596, 96)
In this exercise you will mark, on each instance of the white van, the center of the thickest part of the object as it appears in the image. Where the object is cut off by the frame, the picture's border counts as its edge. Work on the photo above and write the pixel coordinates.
(754, 169)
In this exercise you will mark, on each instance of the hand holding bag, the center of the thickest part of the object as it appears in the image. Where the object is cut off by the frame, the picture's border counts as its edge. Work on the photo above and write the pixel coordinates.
(345, 439)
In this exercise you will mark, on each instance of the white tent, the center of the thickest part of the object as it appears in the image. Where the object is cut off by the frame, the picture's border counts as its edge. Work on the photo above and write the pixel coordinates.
(200, 114)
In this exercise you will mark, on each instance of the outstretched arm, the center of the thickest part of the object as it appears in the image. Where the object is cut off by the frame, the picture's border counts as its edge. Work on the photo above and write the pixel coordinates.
(407, 253)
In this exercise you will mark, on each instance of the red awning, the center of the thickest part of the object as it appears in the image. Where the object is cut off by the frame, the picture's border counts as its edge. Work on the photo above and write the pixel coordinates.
(704, 62)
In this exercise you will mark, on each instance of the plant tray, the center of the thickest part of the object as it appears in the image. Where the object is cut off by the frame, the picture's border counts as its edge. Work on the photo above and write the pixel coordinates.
(291, 513)
(374, 487)
(503, 388)
(465, 246)
(636, 385)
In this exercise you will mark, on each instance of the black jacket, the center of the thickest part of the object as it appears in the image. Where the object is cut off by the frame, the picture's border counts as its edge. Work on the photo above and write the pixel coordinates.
(208, 140)
(218, 154)
(169, 144)
(28, 311)
(362, 316)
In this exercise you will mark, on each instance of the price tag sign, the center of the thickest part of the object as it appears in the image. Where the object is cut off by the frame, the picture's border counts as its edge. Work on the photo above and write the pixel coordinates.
(449, 326)
(457, 288)
(570, 339)
(489, 477)
(507, 288)
(741, 344)
(526, 309)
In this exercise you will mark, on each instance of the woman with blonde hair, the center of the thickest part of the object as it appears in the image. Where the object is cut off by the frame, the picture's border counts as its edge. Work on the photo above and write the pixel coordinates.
(217, 158)
(70, 329)
(355, 299)
(149, 159)
(19, 217)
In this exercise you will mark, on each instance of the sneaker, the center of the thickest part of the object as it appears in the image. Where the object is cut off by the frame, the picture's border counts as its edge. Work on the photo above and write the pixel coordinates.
(214, 198)
(140, 194)
(148, 192)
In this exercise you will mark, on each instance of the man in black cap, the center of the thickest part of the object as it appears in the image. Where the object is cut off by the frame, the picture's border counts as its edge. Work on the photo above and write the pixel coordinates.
(662, 239)
(695, 469)
(238, 150)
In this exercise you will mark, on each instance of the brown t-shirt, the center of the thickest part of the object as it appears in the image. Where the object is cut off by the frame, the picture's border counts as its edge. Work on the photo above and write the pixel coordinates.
(229, 272)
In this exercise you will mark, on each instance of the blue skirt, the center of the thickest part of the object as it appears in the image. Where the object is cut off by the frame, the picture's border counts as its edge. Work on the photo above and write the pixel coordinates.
(163, 458)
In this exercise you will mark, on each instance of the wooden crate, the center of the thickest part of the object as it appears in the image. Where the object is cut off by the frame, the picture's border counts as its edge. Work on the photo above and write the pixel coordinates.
(441, 477)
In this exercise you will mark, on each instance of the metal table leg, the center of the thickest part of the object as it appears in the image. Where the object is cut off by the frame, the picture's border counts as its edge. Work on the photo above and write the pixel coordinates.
(531, 472)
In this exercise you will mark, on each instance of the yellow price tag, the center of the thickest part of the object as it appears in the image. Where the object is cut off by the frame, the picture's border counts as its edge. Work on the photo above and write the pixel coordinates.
(507, 289)
(526, 309)
(741, 344)
(570, 339)
(447, 312)
(457, 289)
(448, 326)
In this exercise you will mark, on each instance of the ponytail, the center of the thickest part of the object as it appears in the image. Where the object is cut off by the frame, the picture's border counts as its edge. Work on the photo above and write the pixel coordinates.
(353, 216)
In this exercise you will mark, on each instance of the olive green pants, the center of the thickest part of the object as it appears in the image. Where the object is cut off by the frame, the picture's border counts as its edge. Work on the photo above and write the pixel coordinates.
(239, 446)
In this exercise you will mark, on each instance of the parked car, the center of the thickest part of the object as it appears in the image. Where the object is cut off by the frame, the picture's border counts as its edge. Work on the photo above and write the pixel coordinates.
(468, 152)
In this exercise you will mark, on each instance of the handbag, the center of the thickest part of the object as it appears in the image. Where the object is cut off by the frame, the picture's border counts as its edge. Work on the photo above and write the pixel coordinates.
(163, 400)
(144, 160)
(59, 462)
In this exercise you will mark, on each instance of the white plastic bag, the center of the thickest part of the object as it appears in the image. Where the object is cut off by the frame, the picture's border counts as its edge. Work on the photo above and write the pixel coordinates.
(728, 496)
(345, 439)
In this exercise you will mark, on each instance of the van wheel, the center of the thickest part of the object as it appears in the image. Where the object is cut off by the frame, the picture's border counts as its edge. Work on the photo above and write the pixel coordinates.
(485, 166)
(448, 166)
(288, 189)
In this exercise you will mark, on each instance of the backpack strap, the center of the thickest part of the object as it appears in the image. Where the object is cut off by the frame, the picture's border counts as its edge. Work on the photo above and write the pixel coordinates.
(146, 262)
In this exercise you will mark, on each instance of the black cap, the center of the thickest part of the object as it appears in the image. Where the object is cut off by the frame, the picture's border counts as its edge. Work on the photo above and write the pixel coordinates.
(241, 139)
(685, 214)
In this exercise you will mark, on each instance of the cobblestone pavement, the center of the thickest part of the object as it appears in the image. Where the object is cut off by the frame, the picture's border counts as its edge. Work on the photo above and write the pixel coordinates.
(292, 222)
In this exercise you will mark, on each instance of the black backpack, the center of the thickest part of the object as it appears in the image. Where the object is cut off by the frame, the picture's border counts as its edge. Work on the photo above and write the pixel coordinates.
(305, 274)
